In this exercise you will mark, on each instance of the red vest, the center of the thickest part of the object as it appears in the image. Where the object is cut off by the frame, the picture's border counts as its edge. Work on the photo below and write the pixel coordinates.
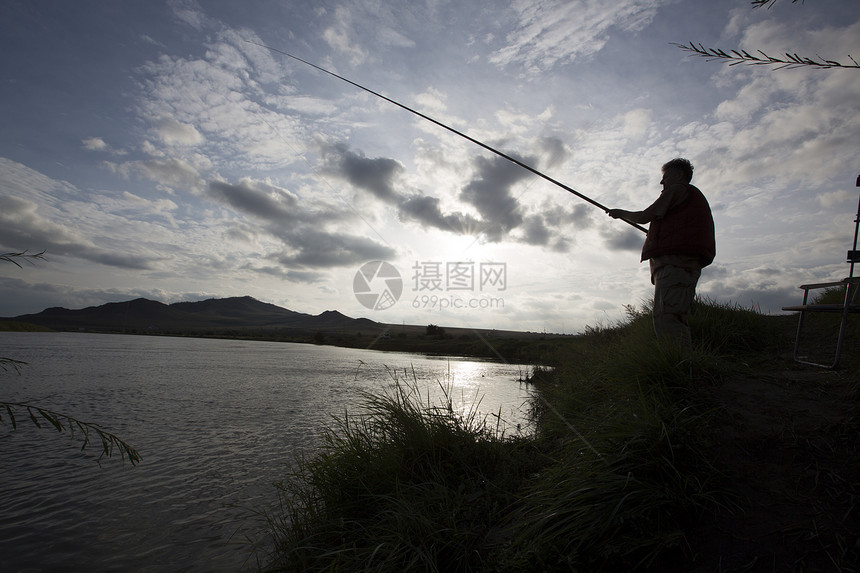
(686, 229)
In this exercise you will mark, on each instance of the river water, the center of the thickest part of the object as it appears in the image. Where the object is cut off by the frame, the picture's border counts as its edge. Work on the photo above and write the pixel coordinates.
(217, 422)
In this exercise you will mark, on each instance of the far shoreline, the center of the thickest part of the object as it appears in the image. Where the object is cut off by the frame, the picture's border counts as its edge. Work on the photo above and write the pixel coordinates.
(497, 346)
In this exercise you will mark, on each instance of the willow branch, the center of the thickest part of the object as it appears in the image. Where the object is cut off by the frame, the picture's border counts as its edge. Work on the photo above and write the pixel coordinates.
(735, 57)
(13, 257)
(768, 3)
(7, 363)
(60, 422)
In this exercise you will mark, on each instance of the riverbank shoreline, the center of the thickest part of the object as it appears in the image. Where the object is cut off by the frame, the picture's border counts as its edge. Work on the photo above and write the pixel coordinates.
(734, 458)
(502, 346)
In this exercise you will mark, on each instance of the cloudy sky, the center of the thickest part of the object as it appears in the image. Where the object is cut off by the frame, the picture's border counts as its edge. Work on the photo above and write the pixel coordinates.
(155, 149)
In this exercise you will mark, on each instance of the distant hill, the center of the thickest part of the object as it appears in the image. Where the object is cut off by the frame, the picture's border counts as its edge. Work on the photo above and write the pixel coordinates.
(247, 318)
(243, 313)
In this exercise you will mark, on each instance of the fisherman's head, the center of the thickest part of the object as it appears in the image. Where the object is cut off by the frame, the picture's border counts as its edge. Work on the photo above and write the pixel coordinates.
(678, 170)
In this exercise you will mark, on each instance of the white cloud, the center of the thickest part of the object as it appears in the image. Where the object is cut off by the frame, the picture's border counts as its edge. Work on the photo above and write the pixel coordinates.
(559, 31)
(806, 136)
(94, 144)
(392, 38)
(195, 102)
(801, 36)
(834, 198)
(173, 132)
(170, 174)
(34, 215)
(431, 101)
(636, 124)
(304, 104)
(340, 36)
(189, 12)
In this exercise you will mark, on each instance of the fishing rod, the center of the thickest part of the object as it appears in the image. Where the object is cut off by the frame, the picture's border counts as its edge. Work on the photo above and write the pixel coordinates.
(452, 130)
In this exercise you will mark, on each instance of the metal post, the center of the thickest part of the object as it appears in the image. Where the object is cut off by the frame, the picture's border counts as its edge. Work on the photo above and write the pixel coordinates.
(853, 255)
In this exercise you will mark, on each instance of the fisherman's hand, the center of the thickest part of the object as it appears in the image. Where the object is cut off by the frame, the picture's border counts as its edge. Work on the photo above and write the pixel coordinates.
(616, 213)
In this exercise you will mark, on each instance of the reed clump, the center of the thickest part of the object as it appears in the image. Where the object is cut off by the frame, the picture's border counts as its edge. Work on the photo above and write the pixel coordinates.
(403, 485)
(614, 471)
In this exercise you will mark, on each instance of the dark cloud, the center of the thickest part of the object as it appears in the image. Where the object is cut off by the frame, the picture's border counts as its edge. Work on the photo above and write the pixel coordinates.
(556, 226)
(535, 231)
(376, 175)
(581, 216)
(257, 198)
(490, 193)
(309, 244)
(302, 276)
(554, 150)
(623, 239)
(315, 248)
(22, 228)
(426, 210)
(111, 259)
(562, 244)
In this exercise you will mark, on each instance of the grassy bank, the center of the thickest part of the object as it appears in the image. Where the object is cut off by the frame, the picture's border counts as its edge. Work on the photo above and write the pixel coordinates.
(639, 458)
(13, 326)
(734, 458)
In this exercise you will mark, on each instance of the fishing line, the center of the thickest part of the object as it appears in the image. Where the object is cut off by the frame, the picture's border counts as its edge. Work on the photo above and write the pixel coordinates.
(452, 130)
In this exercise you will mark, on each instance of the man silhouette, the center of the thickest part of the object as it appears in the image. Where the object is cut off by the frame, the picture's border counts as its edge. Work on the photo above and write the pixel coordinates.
(679, 244)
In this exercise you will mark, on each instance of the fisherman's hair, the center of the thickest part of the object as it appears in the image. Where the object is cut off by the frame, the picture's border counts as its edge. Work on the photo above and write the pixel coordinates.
(682, 165)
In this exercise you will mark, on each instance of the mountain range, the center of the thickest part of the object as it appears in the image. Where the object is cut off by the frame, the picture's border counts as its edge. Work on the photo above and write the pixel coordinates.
(215, 315)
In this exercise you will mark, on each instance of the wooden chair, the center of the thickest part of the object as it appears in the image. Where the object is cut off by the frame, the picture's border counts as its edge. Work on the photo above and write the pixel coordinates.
(848, 306)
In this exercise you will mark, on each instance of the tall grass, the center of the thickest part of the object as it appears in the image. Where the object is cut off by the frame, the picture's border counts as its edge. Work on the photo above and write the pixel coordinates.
(630, 436)
(404, 485)
(615, 471)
